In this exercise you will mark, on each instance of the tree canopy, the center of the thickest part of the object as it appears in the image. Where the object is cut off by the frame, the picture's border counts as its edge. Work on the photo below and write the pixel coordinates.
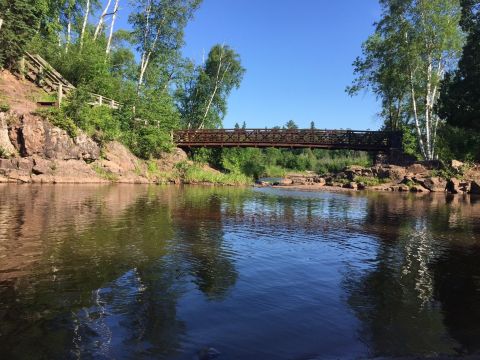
(404, 61)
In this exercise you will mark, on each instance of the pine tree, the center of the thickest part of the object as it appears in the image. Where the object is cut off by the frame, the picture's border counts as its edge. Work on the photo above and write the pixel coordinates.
(21, 20)
(460, 100)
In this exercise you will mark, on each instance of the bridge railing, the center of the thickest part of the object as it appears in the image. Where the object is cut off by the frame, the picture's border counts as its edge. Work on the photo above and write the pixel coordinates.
(313, 138)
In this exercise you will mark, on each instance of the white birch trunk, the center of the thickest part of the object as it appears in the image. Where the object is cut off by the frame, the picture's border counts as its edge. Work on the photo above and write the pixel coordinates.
(101, 20)
(69, 34)
(145, 54)
(215, 88)
(114, 16)
(415, 117)
(1, 23)
(85, 21)
(428, 100)
(218, 80)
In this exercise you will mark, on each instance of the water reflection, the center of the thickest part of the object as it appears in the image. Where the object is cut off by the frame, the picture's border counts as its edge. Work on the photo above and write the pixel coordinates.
(403, 301)
(161, 272)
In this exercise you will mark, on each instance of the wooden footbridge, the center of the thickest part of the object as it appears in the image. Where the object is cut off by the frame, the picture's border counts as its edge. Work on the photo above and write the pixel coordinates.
(375, 141)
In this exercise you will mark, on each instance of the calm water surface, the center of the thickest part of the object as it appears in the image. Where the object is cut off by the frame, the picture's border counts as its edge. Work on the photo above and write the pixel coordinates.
(147, 272)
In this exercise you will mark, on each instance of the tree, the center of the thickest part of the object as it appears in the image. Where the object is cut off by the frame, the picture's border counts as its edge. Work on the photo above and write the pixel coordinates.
(404, 61)
(312, 125)
(158, 28)
(21, 20)
(291, 125)
(101, 20)
(203, 98)
(459, 103)
(114, 16)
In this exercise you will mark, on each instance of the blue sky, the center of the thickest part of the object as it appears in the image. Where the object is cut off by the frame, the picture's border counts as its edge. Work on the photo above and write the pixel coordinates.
(298, 57)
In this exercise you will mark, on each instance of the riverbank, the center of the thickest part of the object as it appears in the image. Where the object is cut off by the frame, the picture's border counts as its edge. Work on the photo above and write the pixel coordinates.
(33, 150)
(458, 178)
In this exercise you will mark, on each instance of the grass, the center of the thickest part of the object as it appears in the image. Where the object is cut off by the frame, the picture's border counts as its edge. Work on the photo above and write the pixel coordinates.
(4, 107)
(3, 153)
(194, 174)
(104, 174)
(329, 165)
(274, 171)
(42, 97)
(370, 181)
(162, 177)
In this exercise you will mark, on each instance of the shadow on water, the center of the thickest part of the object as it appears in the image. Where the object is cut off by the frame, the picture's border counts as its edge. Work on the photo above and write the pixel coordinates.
(142, 271)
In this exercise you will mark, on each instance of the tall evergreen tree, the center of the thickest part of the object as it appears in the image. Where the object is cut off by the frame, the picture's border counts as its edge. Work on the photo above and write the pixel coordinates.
(460, 100)
(21, 20)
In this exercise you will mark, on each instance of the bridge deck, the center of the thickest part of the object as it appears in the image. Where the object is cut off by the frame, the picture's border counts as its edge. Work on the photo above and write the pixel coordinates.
(290, 138)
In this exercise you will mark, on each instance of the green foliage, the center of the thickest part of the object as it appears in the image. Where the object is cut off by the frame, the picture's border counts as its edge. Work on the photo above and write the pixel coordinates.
(3, 153)
(196, 174)
(291, 125)
(337, 161)
(272, 162)
(409, 140)
(274, 171)
(149, 142)
(460, 99)
(97, 121)
(4, 107)
(21, 20)
(202, 97)
(158, 30)
(57, 117)
(370, 181)
(403, 63)
(459, 143)
(248, 161)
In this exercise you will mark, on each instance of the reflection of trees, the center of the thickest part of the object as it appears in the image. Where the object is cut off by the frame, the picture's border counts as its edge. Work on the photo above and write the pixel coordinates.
(106, 266)
(405, 302)
(200, 229)
(78, 260)
(457, 279)
(111, 271)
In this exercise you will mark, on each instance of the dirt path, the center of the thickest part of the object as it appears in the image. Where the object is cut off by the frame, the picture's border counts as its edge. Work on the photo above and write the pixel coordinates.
(20, 95)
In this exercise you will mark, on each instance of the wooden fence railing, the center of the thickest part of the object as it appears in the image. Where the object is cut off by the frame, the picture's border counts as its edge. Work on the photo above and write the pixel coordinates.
(44, 75)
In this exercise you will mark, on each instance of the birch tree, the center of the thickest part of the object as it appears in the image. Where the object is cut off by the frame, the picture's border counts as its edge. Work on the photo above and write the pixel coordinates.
(112, 25)
(85, 21)
(204, 102)
(158, 27)
(415, 43)
(101, 19)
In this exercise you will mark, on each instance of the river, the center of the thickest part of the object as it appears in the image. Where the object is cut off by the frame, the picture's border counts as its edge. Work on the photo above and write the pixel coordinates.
(152, 272)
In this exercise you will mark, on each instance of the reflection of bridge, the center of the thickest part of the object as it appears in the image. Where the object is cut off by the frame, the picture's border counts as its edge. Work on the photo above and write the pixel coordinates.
(290, 138)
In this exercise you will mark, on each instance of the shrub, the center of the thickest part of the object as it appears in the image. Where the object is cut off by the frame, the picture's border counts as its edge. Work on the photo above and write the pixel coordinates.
(4, 107)
(193, 173)
(370, 181)
(58, 118)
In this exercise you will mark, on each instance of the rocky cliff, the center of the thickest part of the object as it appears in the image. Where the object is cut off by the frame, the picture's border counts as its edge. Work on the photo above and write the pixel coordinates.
(32, 150)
